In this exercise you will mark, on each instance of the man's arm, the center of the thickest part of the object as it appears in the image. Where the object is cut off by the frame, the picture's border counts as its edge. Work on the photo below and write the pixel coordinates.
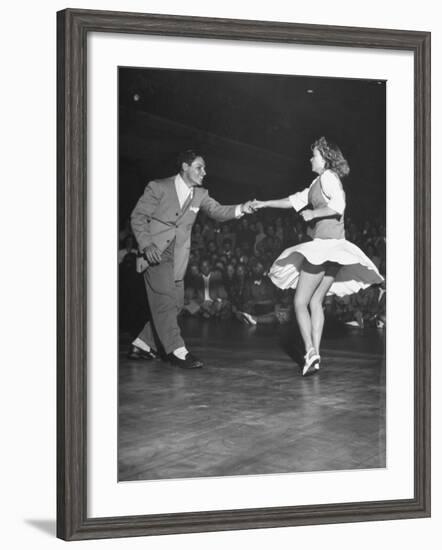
(224, 213)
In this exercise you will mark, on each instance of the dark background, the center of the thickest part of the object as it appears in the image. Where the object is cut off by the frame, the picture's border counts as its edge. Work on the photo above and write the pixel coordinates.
(255, 131)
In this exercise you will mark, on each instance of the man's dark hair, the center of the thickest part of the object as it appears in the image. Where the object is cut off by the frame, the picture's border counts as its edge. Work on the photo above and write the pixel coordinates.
(188, 157)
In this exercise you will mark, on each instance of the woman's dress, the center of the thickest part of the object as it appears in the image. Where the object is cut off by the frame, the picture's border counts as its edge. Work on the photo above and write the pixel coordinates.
(328, 243)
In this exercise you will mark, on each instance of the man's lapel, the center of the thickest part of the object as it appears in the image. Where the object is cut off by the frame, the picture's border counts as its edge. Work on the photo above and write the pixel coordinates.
(173, 194)
(187, 202)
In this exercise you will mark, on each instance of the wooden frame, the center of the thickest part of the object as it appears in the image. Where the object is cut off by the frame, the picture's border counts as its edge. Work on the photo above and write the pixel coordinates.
(73, 27)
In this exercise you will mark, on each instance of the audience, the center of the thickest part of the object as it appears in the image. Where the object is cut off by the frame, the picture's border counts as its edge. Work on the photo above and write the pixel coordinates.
(227, 273)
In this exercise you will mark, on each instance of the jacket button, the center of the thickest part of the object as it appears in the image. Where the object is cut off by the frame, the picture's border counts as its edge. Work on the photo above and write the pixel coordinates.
(176, 214)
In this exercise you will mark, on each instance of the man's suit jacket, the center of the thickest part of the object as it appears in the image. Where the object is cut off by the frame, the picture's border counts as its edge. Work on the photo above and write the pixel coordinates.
(158, 218)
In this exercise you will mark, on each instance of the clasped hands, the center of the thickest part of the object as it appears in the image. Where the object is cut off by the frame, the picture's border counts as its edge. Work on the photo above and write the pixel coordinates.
(250, 207)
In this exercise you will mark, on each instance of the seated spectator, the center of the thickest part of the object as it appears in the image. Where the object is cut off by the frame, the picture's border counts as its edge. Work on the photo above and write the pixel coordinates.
(247, 248)
(374, 237)
(220, 266)
(244, 260)
(301, 232)
(267, 259)
(382, 305)
(260, 235)
(383, 266)
(227, 249)
(211, 247)
(239, 284)
(132, 295)
(372, 305)
(381, 249)
(372, 254)
(194, 257)
(366, 229)
(211, 294)
(364, 309)
(284, 309)
(279, 229)
(128, 248)
(191, 305)
(225, 233)
(229, 278)
(192, 275)
(125, 231)
(259, 299)
(208, 231)
(197, 240)
(245, 234)
(342, 309)
(251, 262)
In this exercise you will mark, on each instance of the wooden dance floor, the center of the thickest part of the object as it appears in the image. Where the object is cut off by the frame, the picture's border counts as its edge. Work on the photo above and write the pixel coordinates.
(249, 411)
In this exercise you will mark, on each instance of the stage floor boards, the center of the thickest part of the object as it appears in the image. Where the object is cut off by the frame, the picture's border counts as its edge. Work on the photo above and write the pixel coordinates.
(249, 411)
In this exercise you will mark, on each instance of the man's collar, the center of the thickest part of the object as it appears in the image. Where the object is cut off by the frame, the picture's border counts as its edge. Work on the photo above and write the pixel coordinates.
(181, 183)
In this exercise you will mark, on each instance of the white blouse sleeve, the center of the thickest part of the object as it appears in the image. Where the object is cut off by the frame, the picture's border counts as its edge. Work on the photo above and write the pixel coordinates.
(299, 200)
(333, 192)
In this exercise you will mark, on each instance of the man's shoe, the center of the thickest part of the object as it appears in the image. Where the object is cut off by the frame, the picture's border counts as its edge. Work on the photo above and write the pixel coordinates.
(189, 362)
(137, 353)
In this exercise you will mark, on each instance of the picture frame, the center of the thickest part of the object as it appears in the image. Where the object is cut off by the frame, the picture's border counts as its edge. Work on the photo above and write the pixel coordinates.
(73, 27)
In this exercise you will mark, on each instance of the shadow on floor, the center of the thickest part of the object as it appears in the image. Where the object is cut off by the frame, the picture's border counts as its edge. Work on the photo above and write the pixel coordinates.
(48, 526)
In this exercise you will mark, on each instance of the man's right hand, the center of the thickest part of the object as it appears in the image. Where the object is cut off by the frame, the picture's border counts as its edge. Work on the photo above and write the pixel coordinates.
(247, 207)
(153, 254)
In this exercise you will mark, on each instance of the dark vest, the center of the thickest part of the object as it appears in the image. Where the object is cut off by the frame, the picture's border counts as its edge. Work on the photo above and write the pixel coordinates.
(330, 227)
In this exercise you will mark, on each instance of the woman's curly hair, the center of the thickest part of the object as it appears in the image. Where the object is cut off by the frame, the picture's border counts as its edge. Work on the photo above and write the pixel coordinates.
(334, 159)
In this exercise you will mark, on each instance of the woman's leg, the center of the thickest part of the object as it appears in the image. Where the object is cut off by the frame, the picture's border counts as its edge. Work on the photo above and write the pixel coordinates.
(309, 279)
(317, 299)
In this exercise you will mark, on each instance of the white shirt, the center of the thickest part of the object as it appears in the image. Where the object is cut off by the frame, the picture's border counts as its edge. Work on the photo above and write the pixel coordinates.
(332, 191)
(206, 279)
(183, 191)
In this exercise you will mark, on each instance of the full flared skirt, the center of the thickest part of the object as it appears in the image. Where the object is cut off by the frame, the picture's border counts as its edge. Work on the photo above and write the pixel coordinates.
(357, 271)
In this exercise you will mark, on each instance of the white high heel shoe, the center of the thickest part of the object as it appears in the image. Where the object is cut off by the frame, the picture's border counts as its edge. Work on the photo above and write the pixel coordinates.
(311, 364)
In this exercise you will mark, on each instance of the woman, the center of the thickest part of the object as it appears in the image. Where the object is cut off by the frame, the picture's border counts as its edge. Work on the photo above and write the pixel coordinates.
(328, 264)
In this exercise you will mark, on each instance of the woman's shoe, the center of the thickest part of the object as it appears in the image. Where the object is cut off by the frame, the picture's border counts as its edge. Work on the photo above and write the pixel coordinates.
(311, 365)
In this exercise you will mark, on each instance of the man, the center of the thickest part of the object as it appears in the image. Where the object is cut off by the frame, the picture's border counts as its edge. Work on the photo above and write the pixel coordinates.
(211, 294)
(162, 223)
(259, 299)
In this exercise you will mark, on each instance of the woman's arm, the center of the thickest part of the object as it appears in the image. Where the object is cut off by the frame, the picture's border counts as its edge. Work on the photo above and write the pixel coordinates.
(298, 201)
(277, 203)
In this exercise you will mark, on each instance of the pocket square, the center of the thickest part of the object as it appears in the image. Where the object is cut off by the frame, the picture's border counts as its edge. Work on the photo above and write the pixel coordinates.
(194, 208)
